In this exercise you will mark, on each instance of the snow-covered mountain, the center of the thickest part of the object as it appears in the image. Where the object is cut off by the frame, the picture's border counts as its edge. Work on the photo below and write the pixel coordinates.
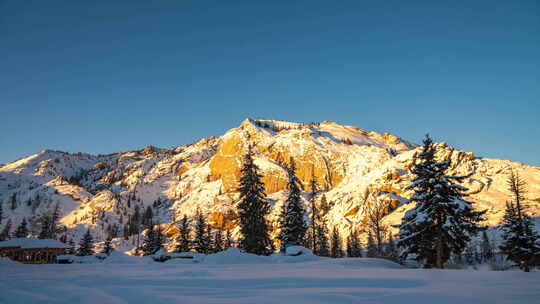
(99, 191)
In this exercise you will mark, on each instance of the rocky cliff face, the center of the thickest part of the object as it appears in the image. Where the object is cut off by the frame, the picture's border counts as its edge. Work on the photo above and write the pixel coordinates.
(99, 191)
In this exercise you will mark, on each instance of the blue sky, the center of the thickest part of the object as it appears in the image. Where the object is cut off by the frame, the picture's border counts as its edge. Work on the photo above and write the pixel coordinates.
(101, 77)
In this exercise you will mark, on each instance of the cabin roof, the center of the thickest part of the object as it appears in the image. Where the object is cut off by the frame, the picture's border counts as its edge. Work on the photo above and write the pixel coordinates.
(28, 243)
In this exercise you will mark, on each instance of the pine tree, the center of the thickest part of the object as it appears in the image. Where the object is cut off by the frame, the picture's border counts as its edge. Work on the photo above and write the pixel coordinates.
(353, 245)
(153, 240)
(293, 225)
(520, 241)
(252, 209)
(375, 210)
(442, 222)
(372, 251)
(470, 254)
(1, 213)
(228, 243)
(217, 242)
(314, 212)
(147, 218)
(45, 227)
(486, 248)
(14, 201)
(71, 249)
(202, 242)
(49, 224)
(323, 248)
(22, 230)
(6, 232)
(391, 251)
(183, 239)
(107, 246)
(86, 245)
(336, 251)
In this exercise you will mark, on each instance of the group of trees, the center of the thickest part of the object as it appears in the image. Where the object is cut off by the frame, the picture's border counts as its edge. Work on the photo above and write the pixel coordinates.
(442, 223)
(441, 226)
(48, 225)
(293, 226)
(520, 241)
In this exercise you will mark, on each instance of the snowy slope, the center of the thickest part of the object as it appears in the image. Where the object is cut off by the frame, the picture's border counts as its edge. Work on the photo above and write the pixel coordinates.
(253, 280)
(98, 192)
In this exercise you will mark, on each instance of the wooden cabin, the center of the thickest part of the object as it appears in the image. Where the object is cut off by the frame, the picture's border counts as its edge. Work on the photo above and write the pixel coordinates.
(33, 251)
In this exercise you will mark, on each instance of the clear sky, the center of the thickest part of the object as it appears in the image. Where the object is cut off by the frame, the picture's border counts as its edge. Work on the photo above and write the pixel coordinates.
(108, 76)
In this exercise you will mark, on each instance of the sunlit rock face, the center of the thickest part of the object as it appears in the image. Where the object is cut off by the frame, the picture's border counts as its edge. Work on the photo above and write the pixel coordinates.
(102, 192)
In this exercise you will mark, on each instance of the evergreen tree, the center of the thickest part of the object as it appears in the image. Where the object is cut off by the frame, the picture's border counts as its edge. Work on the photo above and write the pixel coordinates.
(324, 206)
(153, 240)
(217, 242)
(353, 245)
(372, 251)
(520, 241)
(22, 230)
(202, 242)
(228, 240)
(134, 222)
(86, 245)
(183, 239)
(470, 254)
(71, 249)
(323, 248)
(147, 218)
(314, 212)
(55, 217)
(486, 248)
(107, 246)
(1, 213)
(252, 209)
(336, 251)
(13, 201)
(49, 224)
(391, 251)
(63, 238)
(442, 222)
(6, 232)
(45, 228)
(293, 225)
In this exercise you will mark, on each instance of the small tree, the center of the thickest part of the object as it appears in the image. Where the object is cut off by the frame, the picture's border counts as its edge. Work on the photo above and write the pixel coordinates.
(354, 249)
(391, 251)
(336, 251)
(372, 251)
(520, 241)
(292, 224)
(228, 240)
(86, 245)
(153, 240)
(183, 239)
(22, 230)
(217, 242)
(6, 232)
(107, 246)
(314, 212)
(14, 201)
(253, 209)
(202, 242)
(486, 248)
(374, 211)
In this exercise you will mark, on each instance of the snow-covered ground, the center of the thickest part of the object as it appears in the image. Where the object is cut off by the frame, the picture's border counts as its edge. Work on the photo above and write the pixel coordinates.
(225, 279)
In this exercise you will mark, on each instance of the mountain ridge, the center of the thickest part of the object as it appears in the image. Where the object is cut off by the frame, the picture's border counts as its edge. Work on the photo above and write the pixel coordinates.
(97, 191)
